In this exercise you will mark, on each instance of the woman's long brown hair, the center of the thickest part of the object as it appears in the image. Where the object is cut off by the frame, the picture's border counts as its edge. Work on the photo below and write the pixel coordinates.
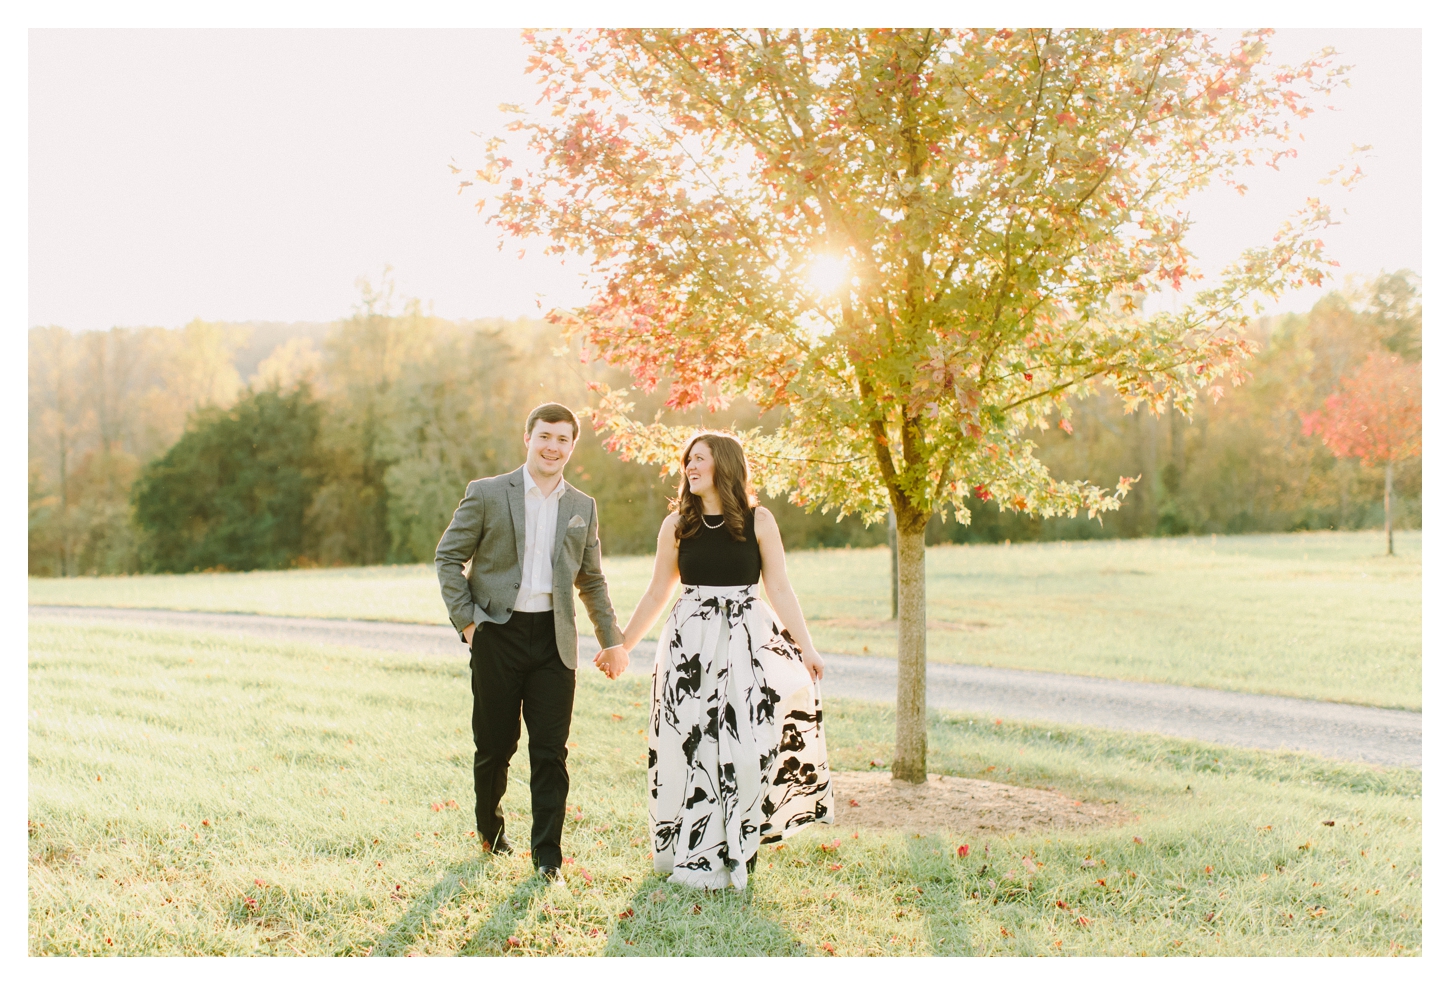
(732, 482)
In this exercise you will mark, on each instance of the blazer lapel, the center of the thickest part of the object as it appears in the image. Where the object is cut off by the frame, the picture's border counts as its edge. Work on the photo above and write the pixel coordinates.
(561, 528)
(516, 509)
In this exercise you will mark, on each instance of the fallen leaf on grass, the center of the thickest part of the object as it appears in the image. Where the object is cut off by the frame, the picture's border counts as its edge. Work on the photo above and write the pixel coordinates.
(627, 914)
(1208, 869)
(1137, 840)
(513, 942)
(617, 718)
(1327, 824)
(1005, 932)
(836, 866)
(963, 851)
(695, 908)
(1083, 921)
(855, 802)
(828, 947)
(835, 844)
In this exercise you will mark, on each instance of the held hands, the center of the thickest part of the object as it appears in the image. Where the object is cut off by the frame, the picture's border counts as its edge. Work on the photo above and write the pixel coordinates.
(613, 661)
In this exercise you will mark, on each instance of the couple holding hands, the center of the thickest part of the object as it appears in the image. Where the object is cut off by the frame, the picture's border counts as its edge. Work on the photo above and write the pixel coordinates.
(737, 757)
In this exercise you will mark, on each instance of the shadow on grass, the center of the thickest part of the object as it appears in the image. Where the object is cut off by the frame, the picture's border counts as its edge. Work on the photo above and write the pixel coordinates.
(942, 900)
(676, 921)
(492, 937)
(405, 931)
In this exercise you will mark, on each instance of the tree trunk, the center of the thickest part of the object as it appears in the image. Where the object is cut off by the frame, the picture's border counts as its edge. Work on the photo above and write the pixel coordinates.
(1389, 508)
(64, 504)
(895, 576)
(910, 761)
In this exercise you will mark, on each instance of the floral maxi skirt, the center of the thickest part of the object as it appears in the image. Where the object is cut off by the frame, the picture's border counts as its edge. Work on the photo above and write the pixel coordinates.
(737, 756)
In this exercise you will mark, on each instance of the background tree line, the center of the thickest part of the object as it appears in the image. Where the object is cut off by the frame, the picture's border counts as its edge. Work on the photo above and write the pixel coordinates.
(236, 446)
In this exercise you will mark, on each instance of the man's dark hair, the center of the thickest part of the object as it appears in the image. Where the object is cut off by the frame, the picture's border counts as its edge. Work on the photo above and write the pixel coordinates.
(551, 413)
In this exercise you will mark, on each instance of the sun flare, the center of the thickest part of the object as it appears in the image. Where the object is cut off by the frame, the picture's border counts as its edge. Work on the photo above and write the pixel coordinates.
(828, 275)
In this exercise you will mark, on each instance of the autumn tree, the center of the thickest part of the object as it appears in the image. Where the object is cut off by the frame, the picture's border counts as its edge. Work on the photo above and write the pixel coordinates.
(918, 244)
(1374, 417)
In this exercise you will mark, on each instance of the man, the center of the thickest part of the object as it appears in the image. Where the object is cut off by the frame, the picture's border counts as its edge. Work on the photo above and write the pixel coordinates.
(530, 536)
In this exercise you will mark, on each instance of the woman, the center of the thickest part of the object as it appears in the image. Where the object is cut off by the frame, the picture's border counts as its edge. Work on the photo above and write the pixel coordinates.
(736, 754)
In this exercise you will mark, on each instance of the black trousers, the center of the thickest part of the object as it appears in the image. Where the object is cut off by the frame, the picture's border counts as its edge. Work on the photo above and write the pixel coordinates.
(516, 668)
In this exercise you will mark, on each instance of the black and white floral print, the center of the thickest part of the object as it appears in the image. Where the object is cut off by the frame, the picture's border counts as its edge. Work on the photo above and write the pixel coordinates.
(737, 756)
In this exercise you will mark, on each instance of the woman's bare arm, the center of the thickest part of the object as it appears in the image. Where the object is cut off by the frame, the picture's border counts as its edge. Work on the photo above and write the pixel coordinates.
(661, 585)
(778, 591)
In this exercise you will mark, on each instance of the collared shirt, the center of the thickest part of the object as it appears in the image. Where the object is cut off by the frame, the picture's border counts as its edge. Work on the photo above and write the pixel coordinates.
(541, 518)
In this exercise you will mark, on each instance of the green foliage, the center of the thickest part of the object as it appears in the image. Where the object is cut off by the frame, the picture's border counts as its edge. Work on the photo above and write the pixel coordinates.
(233, 491)
(397, 443)
(192, 794)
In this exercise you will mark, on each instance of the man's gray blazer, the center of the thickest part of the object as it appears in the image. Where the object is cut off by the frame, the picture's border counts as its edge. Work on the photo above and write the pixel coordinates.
(488, 530)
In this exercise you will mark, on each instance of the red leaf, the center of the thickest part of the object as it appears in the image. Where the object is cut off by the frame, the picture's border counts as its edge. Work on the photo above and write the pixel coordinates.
(514, 941)
(1083, 921)
(963, 851)
(855, 802)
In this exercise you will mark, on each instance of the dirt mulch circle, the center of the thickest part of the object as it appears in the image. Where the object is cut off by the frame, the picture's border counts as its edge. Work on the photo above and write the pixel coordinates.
(870, 799)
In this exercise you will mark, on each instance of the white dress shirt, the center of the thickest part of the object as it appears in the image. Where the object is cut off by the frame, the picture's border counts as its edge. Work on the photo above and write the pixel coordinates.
(541, 518)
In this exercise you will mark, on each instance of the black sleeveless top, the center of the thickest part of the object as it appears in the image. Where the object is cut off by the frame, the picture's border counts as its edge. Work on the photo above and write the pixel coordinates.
(712, 558)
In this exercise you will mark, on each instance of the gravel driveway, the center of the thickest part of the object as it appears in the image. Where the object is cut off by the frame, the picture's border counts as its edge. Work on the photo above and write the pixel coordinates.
(1374, 735)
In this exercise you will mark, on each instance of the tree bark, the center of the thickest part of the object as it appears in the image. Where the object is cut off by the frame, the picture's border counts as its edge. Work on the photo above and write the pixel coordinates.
(1389, 508)
(895, 576)
(910, 761)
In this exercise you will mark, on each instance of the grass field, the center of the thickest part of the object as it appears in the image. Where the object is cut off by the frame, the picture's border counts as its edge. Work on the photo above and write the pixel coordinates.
(1314, 615)
(192, 794)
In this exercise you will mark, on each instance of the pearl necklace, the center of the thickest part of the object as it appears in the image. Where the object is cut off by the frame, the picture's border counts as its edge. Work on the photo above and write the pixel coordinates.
(707, 523)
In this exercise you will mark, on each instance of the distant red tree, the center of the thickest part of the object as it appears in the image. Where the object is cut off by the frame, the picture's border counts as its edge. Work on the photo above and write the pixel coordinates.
(1374, 417)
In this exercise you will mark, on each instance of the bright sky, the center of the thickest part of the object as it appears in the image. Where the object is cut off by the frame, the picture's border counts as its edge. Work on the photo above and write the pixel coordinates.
(256, 174)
